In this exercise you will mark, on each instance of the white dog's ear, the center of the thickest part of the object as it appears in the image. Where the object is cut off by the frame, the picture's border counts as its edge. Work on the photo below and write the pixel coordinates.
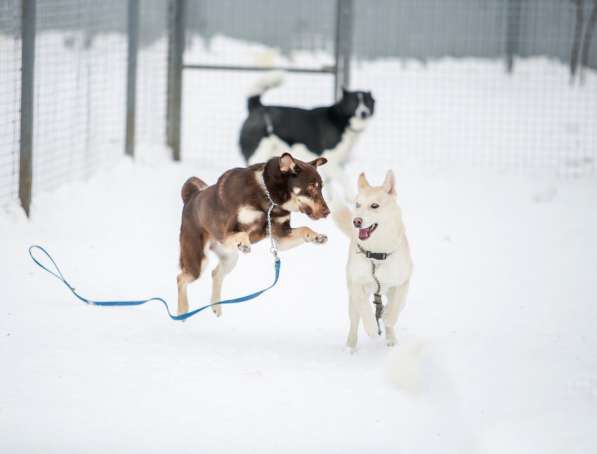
(287, 164)
(389, 183)
(363, 183)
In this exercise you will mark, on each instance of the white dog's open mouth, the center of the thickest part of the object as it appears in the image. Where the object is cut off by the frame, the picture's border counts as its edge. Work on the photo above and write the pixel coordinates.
(367, 231)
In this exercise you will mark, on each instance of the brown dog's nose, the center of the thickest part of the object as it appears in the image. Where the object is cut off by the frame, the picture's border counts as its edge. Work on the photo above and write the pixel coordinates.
(357, 222)
(325, 212)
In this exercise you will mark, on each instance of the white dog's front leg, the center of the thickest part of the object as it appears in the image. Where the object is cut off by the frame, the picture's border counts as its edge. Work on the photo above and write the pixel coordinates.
(396, 302)
(357, 299)
(355, 316)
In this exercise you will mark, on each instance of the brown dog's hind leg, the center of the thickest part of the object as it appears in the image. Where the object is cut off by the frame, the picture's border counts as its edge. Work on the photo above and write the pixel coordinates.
(182, 280)
(227, 263)
(192, 262)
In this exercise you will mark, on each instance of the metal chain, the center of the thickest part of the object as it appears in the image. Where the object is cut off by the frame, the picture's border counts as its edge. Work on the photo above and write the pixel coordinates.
(273, 246)
(377, 299)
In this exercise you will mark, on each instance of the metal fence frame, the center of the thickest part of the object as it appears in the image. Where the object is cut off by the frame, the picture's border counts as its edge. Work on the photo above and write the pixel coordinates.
(176, 31)
(27, 83)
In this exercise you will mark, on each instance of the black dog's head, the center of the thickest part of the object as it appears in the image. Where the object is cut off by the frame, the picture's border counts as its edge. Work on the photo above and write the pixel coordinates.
(357, 104)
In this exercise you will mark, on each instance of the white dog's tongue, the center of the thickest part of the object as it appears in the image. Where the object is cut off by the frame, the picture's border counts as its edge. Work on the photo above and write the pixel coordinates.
(364, 233)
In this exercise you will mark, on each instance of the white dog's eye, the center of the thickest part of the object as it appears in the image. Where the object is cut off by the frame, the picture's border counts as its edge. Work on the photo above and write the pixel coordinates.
(374, 205)
(358, 205)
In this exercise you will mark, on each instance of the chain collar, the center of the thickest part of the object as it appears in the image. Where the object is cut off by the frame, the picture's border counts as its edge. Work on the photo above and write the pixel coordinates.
(273, 246)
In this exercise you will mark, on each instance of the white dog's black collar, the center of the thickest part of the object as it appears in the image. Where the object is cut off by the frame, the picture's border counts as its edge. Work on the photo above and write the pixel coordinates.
(374, 255)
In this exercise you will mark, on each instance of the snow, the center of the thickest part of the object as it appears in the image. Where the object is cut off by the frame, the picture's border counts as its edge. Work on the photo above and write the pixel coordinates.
(496, 346)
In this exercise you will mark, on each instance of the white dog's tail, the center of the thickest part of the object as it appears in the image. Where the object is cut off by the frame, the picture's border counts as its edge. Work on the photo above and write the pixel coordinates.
(342, 217)
(266, 82)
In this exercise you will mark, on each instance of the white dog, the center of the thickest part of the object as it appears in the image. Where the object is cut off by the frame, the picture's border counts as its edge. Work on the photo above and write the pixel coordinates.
(379, 261)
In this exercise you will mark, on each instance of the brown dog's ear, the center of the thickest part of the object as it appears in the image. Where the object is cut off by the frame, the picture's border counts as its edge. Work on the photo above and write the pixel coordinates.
(363, 183)
(389, 183)
(318, 162)
(287, 164)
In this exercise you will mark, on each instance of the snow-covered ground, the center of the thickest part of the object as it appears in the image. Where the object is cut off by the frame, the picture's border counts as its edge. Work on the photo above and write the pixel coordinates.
(496, 345)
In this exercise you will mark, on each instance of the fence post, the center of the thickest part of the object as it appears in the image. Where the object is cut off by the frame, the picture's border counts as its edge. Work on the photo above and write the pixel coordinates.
(512, 33)
(131, 76)
(176, 44)
(344, 37)
(28, 23)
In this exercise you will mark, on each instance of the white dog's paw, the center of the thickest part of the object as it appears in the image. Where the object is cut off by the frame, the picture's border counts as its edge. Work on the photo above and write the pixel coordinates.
(390, 336)
(351, 344)
(217, 309)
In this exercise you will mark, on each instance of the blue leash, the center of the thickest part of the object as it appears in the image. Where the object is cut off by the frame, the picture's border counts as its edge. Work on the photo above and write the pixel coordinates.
(58, 275)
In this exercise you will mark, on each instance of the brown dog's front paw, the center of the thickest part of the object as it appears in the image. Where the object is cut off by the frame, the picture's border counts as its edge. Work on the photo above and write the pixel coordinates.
(244, 248)
(321, 238)
(317, 238)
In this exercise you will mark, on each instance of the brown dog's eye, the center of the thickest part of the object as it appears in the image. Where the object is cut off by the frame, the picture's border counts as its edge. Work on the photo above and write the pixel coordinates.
(374, 205)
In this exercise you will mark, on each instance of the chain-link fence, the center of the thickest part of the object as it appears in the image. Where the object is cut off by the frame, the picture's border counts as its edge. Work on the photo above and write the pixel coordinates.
(152, 76)
(80, 69)
(487, 83)
(262, 33)
(506, 84)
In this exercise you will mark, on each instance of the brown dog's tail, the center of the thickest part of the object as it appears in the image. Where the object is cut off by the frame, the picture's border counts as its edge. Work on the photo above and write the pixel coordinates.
(191, 187)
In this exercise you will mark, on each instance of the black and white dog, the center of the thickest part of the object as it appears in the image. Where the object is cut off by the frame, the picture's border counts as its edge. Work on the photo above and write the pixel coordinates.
(329, 132)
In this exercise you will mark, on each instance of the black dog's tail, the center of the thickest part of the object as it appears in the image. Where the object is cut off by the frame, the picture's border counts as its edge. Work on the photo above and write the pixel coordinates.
(191, 187)
(268, 81)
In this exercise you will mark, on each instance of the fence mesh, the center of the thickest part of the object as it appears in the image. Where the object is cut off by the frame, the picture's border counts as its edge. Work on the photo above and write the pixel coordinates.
(260, 33)
(438, 109)
(152, 73)
(80, 74)
(10, 95)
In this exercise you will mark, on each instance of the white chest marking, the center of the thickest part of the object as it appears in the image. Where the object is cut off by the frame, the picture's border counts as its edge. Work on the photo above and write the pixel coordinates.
(248, 215)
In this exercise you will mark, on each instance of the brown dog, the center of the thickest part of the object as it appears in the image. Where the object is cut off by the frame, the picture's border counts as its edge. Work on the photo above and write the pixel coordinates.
(232, 214)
